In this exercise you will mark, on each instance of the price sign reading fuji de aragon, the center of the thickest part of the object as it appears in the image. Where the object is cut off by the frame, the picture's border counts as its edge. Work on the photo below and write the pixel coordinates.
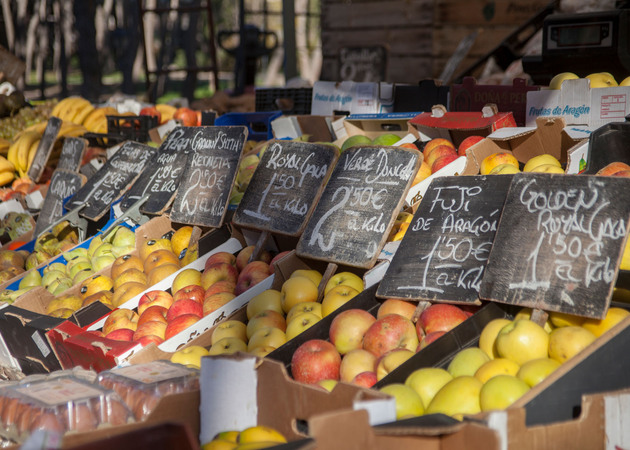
(359, 204)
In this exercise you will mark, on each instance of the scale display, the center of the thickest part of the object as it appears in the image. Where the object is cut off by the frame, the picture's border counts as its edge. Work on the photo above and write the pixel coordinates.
(580, 35)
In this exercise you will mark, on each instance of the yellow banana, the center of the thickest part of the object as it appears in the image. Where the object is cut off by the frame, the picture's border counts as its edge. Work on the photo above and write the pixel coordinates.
(31, 153)
(61, 104)
(166, 111)
(97, 117)
(70, 106)
(6, 165)
(25, 143)
(83, 113)
(6, 177)
(12, 153)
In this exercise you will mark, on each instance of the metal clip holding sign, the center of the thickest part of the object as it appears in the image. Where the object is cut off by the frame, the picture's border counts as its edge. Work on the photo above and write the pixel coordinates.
(73, 219)
(133, 214)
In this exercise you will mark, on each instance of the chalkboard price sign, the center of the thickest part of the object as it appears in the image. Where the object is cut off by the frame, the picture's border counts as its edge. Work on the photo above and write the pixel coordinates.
(359, 204)
(204, 192)
(445, 249)
(72, 154)
(285, 187)
(163, 174)
(63, 184)
(111, 180)
(558, 244)
(44, 148)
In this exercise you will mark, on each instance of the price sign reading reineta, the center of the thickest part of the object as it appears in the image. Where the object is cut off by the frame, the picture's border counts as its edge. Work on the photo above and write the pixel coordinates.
(359, 204)
(162, 176)
(285, 187)
(204, 191)
(445, 249)
(559, 242)
(111, 180)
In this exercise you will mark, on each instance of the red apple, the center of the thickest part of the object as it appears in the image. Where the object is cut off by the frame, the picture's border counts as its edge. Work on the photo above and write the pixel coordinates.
(252, 274)
(348, 328)
(121, 334)
(179, 324)
(146, 340)
(395, 306)
(151, 111)
(157, 329)
(152, 298)
(184, 307)
(278, 257)
(220, 286)
(390, 332)
(216, 301)
(191, 292)
(443, 161)
(315, 360)
(264, 319)
(469, 309)
(218, 272)
(466, 143)
(186, 116)
(220, 257)
(365, 379)
(120, 318)
(242, 259)
(440, 317)
(438, 152)
(155, 313)
(427, 339)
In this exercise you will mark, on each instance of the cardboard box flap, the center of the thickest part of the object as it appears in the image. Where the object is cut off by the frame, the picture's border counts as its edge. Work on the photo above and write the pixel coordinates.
(373, 125)
(327, 428)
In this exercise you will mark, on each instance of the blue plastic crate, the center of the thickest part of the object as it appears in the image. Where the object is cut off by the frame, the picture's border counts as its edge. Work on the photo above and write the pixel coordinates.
(258, 123)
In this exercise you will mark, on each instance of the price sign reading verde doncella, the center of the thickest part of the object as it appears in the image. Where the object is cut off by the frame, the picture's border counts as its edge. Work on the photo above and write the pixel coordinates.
(205, 186)
(559, 242)
(285, 187)
(162, 176)
(111, 180)
(444, 251)
(359, 204)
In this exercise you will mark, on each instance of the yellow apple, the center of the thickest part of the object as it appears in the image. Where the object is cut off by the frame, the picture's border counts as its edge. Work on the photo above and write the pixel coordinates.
(219, 444)
(311, 274)
(559, 319)
(354, 362)
(300, 323)
(329, 385)
(601, 80)
(526, 313)
(494, 367)
(566, 342)
(391, 360)
(345, 278)
(181, 239)
(625, 82)
(227, 346)
(267, 299)
(539, 160)
(489, 334)
(427, 381)
(457, 397)
(336, 297)
(408, 402)
(557, 80)
(501, 391)
(306, 307)
(190, 356)
(229, 328)
(504, 169)
(186, 277)
(467, 362)
(521, 341)
(496, 159)
(613, 316)
(260, 433)
(536, 370)
(547, 168)
(267, 337)
(297, 290)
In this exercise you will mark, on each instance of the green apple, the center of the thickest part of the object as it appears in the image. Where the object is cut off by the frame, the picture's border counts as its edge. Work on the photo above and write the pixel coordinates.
(356, 140)
(386, 139)
(467, 362)
(408, 402)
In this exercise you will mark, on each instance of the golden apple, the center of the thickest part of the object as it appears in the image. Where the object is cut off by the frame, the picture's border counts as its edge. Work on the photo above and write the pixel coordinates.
(504, 169)
(297, 290)
(547, 168)
(559, 319)
(346, 279)
(186, 277)
(267, 337)
(467, 362)
(601, 80)
(501, 391)
(306, 307)
(457, 397)
(311, 274)
(613, 316)
(540, 160)
(260, 433)
(391, 360)
(337, 296)
(227, 346)
(536, 370)
(181, 239)
(522, 340)
(494, 367)
(267, 299)
(496, 159)
(566, 342)
(300, 323)
(189, 356)
(408, 402)
(489, 335)
(557, 80)
(354, 362)
(427, 381)
(229, 328)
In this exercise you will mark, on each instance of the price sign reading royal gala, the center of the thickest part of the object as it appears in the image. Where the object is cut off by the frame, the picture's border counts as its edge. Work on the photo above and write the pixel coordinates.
(445, 249)
(163, 173)
(111, 180)
(285, 187)
(559, 242)
(63, 184)
(204, 192)
(359, 204)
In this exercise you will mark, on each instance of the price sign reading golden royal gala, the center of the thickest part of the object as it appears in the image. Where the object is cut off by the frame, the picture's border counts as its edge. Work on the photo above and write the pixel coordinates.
(559, 243)
(359, 205)
(445, 249)
(206, 183)
(285, 187)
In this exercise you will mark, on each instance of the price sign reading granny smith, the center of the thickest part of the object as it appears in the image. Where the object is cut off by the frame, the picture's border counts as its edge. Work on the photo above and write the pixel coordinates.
(559, 243)
(359, 204)
(213, 160)
(285, 187)
(445, 249)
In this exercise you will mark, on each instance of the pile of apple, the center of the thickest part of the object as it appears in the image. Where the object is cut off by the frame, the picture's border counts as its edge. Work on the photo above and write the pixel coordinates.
(502, 163)
(194, 294)
(512, 357)
(597, 80)
(362, 349)
(274, 317)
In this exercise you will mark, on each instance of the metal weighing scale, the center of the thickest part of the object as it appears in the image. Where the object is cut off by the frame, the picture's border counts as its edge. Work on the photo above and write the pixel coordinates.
(583, 44)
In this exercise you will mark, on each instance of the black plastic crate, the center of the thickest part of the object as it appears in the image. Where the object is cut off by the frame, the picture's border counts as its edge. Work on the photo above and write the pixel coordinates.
(291, 101)
(123, 128)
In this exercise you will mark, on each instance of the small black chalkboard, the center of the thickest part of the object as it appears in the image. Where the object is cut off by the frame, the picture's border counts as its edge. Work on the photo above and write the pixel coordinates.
(285, 187)
(44, 148)
(559, 242)
(162, 176)
(204, 191)
(444, 251)
(72, 154)
(63, 184)
(111, 180)
(359, 204)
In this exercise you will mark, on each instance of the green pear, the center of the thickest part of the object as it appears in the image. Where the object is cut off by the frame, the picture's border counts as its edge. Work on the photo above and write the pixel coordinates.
(122, 251)
(102, 250)
(55, 266)
(82, 275)
(94, 244)
(77, 267)
(101, 262)
(51, 276)
(63, 286)
(31, 278)
(124, 237)
(42, 256)
(249, 160)
(31, 261)
(54, 284)
(79, 251)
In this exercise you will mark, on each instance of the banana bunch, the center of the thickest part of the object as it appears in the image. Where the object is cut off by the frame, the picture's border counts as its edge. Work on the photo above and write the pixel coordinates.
(7, 171)
(4, 146)
(73, 109)
(166, 111)
(22, 150)
(96, 121)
